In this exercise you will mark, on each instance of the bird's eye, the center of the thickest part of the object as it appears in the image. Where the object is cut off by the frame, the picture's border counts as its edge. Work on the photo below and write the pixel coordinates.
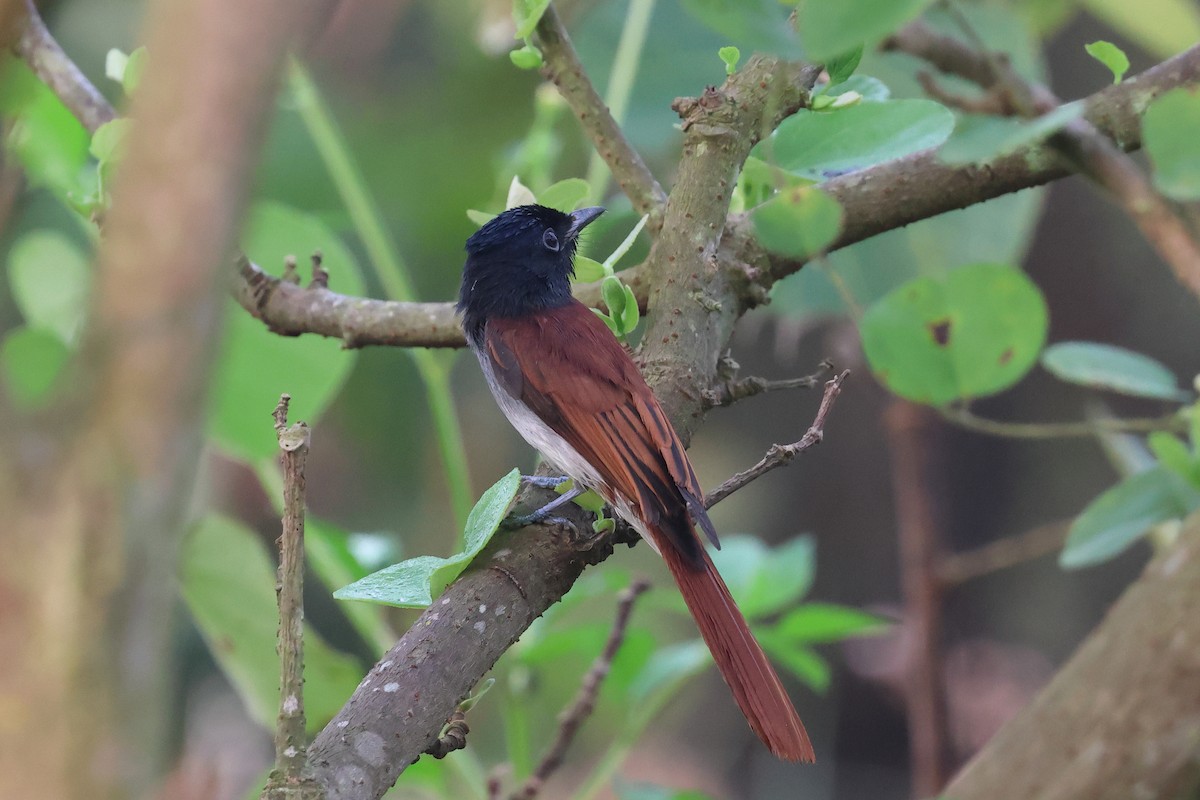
(550, 239)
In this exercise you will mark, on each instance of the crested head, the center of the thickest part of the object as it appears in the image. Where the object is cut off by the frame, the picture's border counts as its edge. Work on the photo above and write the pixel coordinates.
(520, 262)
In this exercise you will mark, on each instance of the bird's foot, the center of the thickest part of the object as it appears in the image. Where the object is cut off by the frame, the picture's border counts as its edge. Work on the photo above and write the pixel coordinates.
(543, 514)
(545, 481)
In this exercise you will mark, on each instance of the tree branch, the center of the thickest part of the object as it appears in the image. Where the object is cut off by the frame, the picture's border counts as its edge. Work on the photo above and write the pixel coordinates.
(1122, 718)
(731, 391)
(563, 69)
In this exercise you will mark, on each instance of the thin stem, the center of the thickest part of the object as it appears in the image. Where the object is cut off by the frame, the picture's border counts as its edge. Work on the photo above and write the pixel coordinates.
(964, 418)
(620, 82)
(392, 272)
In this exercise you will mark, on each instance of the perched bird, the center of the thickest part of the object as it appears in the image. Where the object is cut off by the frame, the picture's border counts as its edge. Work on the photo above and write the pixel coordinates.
(570, 389)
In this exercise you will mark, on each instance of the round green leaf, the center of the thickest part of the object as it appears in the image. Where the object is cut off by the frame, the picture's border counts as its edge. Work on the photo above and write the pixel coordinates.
(31, 359)
(1104, 366)
(566, 195)
(832, 27)
(256, 365)
(820, 145)
(1170, 130)
(798, 222)
(972, 332)
(50, 281)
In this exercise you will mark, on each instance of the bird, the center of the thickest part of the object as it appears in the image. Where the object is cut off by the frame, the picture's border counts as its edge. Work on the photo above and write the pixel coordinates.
(573, 392)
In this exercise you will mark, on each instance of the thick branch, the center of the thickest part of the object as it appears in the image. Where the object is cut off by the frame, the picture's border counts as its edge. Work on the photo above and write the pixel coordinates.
(1122, 718)
(563, 68)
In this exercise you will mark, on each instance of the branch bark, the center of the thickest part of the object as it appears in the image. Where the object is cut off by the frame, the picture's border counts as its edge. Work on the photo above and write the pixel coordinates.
(1122, 718)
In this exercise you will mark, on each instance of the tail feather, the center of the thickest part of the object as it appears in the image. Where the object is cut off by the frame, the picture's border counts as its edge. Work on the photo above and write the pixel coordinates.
(740, 658)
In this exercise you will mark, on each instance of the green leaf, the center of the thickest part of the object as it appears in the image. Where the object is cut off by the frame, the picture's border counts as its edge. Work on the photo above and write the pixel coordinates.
(766, 580)
(527, 57)
(588, 269)
(730, 56)
(816, 623)
(666, 671)
(135, 67)
(256, 365)
(1175, 456)
(115, 61)
(50, 282)
(831, 27)
(798, 222)
(46, 138)
(755, 26)
(612, 326)
(479, 217)
(627, 790)
(1164, 27)
(108, 141)
(868, 88)
(1105, 366)
(1110, 56)
(526, 14)
(416, 582)
(630, 313)
(800, 660)
(566, 195)
(1169, 132)
(1118, 517)
(982, 138)
(228, 583)
(31, 360)
(613, 292)
(970, 333)
(518, 194)
(840, 68)
(820, 145)
(328, 552)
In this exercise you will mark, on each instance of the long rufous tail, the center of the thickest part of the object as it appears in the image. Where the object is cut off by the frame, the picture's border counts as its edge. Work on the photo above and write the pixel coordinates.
(740, 658)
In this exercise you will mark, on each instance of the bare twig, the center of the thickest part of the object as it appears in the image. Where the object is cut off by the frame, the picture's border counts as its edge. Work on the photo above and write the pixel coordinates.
(563, 68)
(958, 568)
(454, 737)
(1084, 148)
(911, 432)
(729, 392)
(964, 418)
(585, 699)
(291, 780)
(781, 454)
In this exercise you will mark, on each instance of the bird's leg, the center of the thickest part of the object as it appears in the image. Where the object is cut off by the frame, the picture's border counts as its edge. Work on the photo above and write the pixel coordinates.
(543, 513)
(545, 481)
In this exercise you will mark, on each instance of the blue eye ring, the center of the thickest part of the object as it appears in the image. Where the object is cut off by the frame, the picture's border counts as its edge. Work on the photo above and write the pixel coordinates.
(550, 240)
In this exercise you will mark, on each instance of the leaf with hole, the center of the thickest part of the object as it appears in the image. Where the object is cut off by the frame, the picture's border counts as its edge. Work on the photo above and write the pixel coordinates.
(972, 332)
(416, 582)
(1105, 366)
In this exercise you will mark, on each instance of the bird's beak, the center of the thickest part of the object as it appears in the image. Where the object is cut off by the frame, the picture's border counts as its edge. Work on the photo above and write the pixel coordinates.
(582, 218)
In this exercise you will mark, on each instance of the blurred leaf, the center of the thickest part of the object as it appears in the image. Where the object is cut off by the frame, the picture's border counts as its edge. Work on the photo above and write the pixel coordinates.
(566, 195)
(588, 269)
(798, 222)
(46, 138)
(840, 68)
(135, 67)
(629, 790)
(832, 27)
(1110, 56)
(32, 359)
(1169, 129)
(527, 57)
(1164, 27)
(108, 140)
(256, 365)
(755, 26)
(996, 231)
(766, 580)
(665, 672)
(1120, 516)
(526, 14)
(817, 623)
(228, 583)
(1105, 366)
(115, 61)
(820, 145)
(416, 582)
(981, 138)
(479, 217)
(802, 661)
(968, 334)
(870, 89)
(50, 282)
(1175, 456)
(518, 194)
